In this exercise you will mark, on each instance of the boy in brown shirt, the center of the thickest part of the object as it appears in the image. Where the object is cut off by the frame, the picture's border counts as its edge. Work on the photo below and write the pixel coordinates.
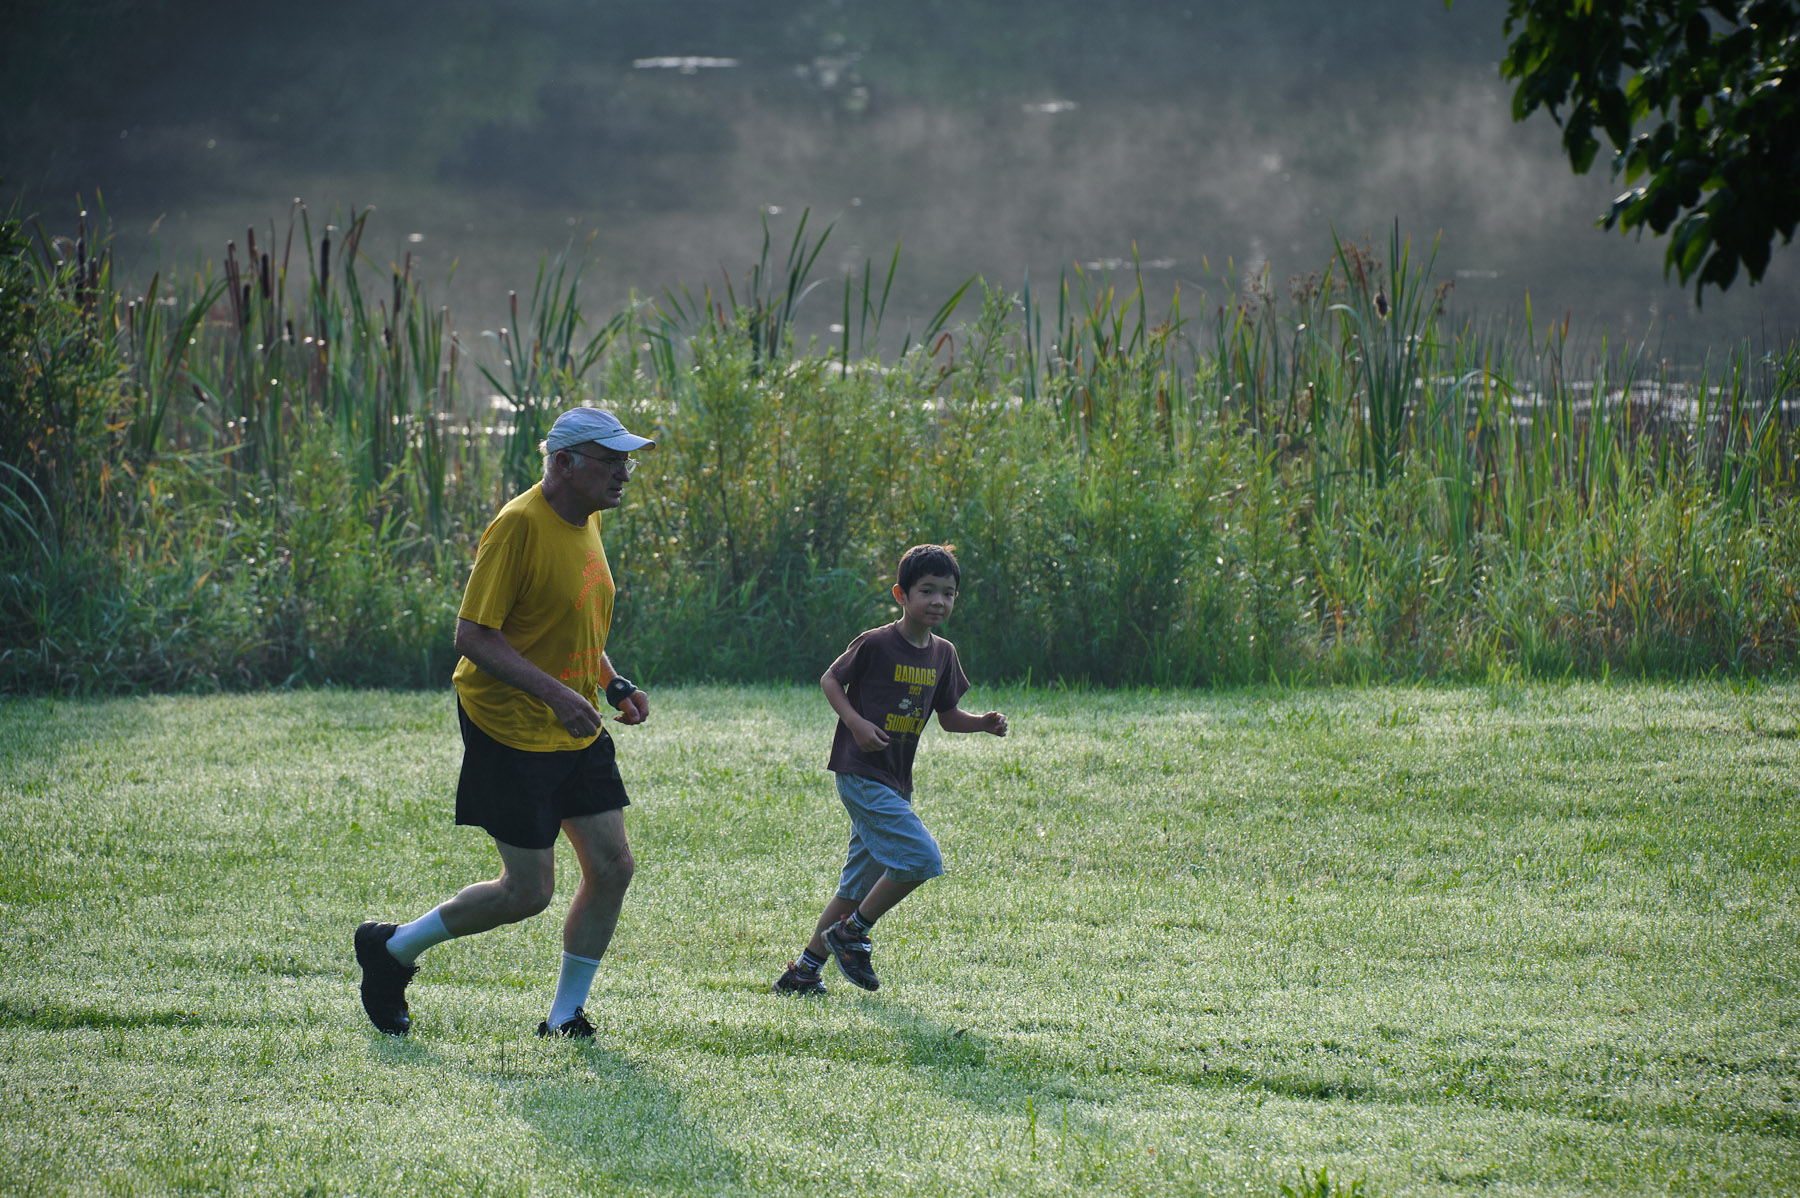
(884, 687)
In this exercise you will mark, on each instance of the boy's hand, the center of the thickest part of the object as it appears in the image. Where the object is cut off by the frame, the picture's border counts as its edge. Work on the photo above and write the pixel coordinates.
(994, 722)
(868, 737)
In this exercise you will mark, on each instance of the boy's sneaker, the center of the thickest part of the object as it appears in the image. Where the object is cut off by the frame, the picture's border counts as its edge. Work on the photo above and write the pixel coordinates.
(383, 979)
(852, 953)
(792, 981)
(576, 1028)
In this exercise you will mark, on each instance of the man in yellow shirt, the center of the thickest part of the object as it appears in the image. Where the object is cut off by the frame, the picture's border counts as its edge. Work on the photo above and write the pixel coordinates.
(536, 755)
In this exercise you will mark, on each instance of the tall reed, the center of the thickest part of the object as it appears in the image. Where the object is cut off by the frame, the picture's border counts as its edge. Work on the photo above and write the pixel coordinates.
(275, 471)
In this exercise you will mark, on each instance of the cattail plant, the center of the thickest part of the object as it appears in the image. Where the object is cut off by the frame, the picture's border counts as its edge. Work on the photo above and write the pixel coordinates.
(284, 460)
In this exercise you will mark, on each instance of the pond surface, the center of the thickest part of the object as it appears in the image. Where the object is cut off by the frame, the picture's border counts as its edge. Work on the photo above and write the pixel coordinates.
(1212, 141)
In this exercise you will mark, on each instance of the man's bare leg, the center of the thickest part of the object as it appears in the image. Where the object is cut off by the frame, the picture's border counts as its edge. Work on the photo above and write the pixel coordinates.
(526, 884)
(606, 868)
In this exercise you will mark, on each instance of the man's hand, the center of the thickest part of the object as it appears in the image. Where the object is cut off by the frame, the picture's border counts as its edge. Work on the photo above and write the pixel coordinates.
(634, 708)
(994, 722)
(579, 718)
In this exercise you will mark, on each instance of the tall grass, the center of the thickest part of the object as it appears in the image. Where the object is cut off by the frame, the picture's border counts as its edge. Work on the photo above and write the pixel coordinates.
(243, 480)
(275, 472)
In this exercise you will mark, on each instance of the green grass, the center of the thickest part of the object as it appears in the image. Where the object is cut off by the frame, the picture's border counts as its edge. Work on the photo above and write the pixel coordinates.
(1511, 938)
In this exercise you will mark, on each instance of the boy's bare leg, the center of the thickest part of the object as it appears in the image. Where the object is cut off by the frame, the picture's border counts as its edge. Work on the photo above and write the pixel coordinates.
(834, 912)
(882, 898)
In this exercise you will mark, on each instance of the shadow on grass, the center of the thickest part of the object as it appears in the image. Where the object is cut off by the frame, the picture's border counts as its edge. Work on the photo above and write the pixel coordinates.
(965, 1065)
(62, 1017)
(958, 1061)
(629, 1128)
(1054, 1104)
(1060, 1113)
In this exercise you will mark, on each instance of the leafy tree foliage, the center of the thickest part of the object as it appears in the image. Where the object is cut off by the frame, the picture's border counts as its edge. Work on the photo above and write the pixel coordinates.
(1701, 102)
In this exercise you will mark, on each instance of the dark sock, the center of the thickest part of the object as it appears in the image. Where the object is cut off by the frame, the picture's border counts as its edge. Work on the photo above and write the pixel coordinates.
(860, 923)
(808, 963)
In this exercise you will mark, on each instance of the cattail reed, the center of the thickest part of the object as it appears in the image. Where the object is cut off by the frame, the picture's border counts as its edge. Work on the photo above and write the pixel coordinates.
(1337, 481)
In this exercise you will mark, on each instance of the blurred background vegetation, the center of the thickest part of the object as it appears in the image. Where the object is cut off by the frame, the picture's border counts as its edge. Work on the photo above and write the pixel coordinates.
(1175, 353)
(273, 471)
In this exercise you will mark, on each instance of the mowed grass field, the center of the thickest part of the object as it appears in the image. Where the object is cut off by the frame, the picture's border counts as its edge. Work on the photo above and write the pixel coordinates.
(1499, 939)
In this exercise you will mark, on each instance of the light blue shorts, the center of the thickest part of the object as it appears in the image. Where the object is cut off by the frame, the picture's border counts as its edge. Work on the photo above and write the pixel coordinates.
(886, 837)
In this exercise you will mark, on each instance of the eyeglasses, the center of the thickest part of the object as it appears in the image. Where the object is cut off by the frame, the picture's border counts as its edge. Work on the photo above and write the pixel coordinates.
(611, 463)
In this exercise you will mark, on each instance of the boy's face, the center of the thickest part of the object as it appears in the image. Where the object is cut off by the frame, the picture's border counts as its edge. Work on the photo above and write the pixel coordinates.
(927, 604)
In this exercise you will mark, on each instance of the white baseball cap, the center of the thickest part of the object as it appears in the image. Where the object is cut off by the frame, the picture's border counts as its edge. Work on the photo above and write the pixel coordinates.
(592, 424)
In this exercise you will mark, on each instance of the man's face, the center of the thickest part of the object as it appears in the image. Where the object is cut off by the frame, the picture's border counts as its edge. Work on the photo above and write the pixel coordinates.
(598, 475)
(927, 603)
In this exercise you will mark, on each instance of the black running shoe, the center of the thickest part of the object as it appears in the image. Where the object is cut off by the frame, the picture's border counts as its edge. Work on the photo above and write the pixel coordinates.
(576, 1027)
(792, 981)
(383, 979)
(852, 953)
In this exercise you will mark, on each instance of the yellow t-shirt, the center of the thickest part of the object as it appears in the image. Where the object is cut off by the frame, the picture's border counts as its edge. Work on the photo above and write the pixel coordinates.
(544, 583)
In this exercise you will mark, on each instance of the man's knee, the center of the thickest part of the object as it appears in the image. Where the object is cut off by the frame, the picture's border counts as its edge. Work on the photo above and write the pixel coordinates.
(604, 853)
(525, 896)
(617, 871)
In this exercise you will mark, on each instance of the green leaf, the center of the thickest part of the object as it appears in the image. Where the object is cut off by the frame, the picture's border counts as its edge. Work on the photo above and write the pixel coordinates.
(1715, 87)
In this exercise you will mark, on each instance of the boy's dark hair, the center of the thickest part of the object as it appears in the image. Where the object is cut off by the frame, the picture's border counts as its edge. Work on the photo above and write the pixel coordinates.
(921, 560)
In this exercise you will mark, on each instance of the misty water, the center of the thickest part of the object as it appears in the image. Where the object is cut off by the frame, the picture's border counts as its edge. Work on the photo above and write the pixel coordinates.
(1016, 141)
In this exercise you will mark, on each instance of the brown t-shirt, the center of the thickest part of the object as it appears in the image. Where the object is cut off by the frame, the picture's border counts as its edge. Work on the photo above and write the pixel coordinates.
(895, 685)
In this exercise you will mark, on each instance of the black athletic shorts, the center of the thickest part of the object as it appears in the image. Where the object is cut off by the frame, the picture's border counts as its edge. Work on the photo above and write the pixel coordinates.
(521, 798)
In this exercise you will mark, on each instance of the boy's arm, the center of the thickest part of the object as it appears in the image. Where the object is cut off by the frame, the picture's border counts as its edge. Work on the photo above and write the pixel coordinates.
(958, 720)
(867, 736)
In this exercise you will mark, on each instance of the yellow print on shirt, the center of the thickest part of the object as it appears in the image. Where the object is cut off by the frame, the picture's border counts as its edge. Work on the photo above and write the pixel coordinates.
(905, 723)
(921, 675)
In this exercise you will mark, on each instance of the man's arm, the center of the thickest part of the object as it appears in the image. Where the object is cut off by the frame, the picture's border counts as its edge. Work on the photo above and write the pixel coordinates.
(958, 720)
(867, 736)
(489, 649)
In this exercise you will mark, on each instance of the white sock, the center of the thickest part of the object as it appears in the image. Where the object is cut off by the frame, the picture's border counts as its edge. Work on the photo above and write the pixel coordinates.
(572, 986)
(411, 939)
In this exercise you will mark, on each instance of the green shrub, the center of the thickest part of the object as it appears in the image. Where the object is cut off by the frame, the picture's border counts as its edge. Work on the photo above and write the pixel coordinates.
(279, 479)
